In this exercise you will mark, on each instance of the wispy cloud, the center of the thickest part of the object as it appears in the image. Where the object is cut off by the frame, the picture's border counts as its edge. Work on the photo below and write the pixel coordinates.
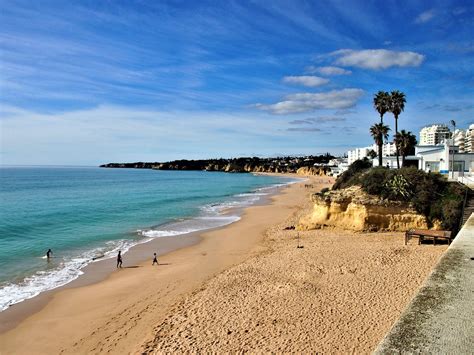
(109, 78)
(344, 112)
(450, 107)
(328, 70)
(119, 133)
(317, 120)
(377, 58)
(304, 102)
(304, 129)
(305, 80)
(425, 16)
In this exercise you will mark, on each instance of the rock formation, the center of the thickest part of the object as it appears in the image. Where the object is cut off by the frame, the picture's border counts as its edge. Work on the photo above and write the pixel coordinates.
(312, 170)
(355, 210)
(299, 165)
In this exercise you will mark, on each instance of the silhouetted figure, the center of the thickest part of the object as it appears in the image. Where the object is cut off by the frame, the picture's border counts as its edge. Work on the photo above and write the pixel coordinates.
(119, 259)
(155, 260)
(49, 254)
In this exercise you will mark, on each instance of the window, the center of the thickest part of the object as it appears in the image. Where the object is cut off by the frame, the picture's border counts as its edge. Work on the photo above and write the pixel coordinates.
(432, 166)
(458, 165)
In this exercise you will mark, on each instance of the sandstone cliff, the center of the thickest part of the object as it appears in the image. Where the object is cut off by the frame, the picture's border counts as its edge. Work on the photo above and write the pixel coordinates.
(355, 210)
(299, 165)
(312, 170)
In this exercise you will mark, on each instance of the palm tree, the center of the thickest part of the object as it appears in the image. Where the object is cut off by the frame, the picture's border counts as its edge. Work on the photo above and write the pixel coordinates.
(397, 105)
(382, 103)
(379, 133)
(405, 143)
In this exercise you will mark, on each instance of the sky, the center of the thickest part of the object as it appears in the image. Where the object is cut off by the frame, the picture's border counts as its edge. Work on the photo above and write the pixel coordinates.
(91, 82)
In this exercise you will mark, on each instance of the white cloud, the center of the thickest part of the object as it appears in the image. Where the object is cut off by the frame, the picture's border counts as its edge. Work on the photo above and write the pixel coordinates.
(425, 16)
(377, 58)
(304, 129)
(305, 80)
(328, 71)
(126, 134)
(304, 102)
(317, 120)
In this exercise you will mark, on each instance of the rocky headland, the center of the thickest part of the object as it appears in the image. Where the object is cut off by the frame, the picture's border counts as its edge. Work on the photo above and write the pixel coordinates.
(309, 165)
(355, 210)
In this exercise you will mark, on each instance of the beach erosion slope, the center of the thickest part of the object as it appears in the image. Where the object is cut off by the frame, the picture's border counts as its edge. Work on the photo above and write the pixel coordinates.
(245, 287)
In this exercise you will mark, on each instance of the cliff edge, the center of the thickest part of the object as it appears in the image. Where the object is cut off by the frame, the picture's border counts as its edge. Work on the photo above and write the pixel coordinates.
(355, 210)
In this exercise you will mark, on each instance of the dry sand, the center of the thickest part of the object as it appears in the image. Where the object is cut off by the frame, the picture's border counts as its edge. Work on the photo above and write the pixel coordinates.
(246, 287)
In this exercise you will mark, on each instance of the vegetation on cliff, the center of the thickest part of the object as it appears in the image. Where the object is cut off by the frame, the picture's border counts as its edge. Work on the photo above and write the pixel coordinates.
(429, 193)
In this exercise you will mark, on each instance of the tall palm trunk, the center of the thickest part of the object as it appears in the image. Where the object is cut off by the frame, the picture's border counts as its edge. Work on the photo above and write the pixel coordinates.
(380, 143)
(396, 145)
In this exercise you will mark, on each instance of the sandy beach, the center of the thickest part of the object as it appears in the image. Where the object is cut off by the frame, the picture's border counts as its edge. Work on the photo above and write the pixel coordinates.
(245, 287)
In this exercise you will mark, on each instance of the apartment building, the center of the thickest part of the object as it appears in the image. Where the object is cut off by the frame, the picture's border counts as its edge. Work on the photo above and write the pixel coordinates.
(434, 134)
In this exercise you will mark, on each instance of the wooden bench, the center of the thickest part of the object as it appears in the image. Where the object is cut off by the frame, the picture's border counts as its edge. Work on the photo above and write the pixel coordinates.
(423, 234)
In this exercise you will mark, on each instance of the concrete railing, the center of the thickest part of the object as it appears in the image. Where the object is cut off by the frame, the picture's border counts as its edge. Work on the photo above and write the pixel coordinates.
(440, 318)
(466, 180)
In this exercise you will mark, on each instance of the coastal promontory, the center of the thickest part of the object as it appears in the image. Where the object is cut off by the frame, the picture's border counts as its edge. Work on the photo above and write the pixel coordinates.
(308, 165)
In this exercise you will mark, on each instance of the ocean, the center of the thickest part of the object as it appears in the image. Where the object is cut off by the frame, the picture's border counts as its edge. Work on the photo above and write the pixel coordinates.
(83, 213)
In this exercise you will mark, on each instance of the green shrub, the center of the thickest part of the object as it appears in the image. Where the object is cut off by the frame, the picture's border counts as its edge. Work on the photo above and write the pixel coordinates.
(429, 193)
(373, 181)
(351, 176)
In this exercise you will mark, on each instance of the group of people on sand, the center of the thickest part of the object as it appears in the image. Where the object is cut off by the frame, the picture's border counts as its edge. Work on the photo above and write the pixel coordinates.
(119, 260)
(49, 255)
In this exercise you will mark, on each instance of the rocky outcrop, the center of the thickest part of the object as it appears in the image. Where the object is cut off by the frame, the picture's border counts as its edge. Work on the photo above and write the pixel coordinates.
(355, 210)
(312, 170)
(302, 166)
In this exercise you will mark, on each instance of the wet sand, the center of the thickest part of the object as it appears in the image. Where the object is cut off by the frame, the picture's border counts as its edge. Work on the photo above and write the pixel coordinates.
(245, 287)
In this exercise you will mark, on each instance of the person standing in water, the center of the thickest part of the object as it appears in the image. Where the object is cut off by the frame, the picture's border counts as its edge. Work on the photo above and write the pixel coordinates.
(119, 259)
(49, 254)
(155, 260)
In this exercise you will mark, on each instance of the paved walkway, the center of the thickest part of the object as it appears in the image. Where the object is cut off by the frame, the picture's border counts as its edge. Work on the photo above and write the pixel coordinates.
(440, 319)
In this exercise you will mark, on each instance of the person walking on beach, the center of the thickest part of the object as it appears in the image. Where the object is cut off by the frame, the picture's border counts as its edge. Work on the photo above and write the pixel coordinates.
(155, 260)
(119, 259)
(49, 254)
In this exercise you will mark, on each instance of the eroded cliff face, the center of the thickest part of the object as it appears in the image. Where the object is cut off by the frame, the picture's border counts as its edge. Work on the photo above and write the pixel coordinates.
(238, 165)
(312, 170)
(355, 210)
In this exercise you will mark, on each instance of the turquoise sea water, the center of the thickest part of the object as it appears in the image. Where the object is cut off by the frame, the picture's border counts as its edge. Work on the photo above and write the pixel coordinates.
(82, 213)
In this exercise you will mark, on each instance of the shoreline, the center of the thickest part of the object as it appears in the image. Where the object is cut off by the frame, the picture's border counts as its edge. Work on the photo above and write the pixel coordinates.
(99, 270)
(24, 312)
(243, 287)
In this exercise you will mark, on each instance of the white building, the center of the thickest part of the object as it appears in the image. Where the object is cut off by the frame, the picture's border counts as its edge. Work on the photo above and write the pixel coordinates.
(439, 158)
(464, 139)
(434, 134)
(337, 166)
(469, 140)
(459, 139)
(357, 154)
(388, 149)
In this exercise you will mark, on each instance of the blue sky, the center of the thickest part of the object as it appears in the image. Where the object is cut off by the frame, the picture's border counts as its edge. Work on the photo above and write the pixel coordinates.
(88, 82)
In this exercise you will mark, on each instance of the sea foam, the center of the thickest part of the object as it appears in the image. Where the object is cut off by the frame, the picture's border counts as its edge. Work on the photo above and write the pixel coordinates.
(70, 268)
